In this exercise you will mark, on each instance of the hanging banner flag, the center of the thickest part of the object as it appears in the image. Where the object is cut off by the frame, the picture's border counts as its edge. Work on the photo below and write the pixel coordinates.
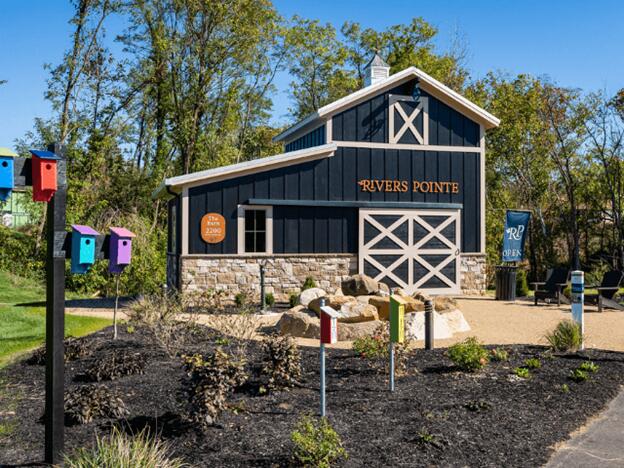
(516, 225)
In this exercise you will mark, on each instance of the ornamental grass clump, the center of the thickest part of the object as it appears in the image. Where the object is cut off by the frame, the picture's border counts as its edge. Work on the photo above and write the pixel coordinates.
(316, 443)
(210, 380)
(88, 402)
(566, 337)
(121, 450)
(469, 355)
(114, 365)
(282, 361)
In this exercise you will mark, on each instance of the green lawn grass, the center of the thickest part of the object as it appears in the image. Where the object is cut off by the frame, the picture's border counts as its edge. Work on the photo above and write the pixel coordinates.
(22, 325)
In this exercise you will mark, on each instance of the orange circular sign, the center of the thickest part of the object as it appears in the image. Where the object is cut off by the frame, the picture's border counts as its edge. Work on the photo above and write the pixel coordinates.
(213, 228)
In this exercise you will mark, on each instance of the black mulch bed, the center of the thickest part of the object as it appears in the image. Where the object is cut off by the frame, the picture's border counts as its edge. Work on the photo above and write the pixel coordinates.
(486, 419)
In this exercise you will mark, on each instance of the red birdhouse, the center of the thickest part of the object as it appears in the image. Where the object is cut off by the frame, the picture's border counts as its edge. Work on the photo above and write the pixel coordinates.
(44, 170)
(329, 325)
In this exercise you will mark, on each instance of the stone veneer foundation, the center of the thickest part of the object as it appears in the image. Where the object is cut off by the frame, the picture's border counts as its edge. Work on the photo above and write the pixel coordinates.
(284, 274)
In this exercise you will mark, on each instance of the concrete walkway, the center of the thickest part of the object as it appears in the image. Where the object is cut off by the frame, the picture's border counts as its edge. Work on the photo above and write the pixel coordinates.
(600, 444)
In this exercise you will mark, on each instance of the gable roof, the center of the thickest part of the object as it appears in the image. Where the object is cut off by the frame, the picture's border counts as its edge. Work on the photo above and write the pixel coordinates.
(427, 83)
(243, 168)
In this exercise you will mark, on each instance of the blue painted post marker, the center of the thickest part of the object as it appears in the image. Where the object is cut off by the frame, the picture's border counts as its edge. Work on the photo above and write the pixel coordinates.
(578, 293)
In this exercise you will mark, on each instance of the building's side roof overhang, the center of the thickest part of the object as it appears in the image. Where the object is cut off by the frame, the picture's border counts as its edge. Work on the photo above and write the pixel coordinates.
(174, 185)
(427, 83)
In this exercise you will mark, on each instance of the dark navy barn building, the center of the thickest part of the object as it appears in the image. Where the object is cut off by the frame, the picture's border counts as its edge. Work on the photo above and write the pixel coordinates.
(388, 181)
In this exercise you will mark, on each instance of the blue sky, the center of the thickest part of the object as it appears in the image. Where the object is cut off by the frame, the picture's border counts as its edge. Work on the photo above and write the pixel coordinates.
(575, 43)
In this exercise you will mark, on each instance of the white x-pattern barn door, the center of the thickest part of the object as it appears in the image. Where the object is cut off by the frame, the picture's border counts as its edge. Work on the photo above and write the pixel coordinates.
(411, 249)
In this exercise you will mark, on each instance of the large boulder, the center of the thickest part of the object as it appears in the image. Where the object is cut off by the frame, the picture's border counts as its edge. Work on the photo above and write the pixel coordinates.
(335, 302)
(455, 321)
(300, 322)
(359, 285)
(415, 326)
(382, 304)
(441, 303)
(421, 296)
(308, 295)
(353, 331)
(354, 312)
(412, 305)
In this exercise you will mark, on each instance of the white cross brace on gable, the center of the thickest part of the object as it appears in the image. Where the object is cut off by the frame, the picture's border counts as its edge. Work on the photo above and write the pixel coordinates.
(408, 122)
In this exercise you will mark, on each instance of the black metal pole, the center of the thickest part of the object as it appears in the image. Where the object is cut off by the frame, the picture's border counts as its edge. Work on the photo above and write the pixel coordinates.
(428, 324)
(55, 316)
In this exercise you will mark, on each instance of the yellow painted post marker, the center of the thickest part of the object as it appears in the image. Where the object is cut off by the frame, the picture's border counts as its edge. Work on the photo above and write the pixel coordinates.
(397, 319)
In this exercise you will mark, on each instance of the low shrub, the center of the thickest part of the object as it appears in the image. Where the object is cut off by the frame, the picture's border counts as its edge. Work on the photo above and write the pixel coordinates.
(565, 388)
(316, 443)
(74, 348)
(589, 366)
(579, 375)
(211, 380)
(114, 365)
(370, 347)
(522, 286)
(522, 372)
(566, 337)
(282, 361)
(240, 299)
(376, 350)
(499, 354)
(308, 283)
(532, 363)
(293, 300)
(88, 402)
(469, 355)
(119, 449)
(269, 300)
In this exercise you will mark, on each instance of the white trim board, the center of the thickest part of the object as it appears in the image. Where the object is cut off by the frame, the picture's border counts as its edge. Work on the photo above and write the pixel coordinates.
(366, 144)
(427, 83)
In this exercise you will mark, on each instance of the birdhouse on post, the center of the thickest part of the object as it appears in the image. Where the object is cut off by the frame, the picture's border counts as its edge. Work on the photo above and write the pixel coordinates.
(44, 177)
(397, 319)
(329, 325)
(6, 173)
(82, 248)
(120, 251)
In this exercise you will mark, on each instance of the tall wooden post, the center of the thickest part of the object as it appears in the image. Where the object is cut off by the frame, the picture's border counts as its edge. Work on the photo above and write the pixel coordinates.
(55, 315)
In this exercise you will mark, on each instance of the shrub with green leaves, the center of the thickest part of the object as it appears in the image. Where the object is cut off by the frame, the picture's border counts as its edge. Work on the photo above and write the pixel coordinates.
(579, 375)
(73, 348)
(269, 300)
(375, 349)
(316, 443)
(293, 300)
(522, 286)
(469, 355)
(370, 347)
(88, 402)
(119, 449)
(499, 355)
(211, 379)
(282, 361)
(589, 366)
(532, 363)
(114, 365)
(240, 299)
(308, 283)
(522, 372)
(566, 337)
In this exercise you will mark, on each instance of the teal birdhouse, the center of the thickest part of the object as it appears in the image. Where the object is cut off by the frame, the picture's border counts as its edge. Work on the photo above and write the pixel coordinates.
(83, 248)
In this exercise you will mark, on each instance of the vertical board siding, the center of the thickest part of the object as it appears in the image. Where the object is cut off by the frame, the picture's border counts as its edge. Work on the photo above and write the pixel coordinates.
(312, 229)
(315, 137)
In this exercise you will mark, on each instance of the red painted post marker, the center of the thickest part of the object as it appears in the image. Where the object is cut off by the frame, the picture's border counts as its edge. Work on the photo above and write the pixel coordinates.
(329, 325)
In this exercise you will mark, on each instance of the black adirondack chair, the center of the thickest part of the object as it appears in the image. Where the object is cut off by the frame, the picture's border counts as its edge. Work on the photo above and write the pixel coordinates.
(553, 287)
(606, 292)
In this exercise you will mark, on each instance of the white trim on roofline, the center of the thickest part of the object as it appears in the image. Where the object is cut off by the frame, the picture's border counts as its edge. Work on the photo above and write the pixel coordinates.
(428, 83)
(243, 168)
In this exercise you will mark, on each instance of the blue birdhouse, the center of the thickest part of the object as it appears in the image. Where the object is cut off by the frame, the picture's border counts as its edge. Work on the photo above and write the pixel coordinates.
(83, 248)
(6, 173)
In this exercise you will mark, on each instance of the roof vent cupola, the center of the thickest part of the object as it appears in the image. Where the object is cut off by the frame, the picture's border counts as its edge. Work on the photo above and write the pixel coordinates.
(377, 70)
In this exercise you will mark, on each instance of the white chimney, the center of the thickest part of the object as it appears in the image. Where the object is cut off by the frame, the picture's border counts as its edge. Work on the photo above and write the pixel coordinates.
(377, 70)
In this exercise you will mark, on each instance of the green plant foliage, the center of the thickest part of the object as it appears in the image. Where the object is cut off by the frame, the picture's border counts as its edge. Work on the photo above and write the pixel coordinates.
(88, 402)
(308, 283)
(370, 347)
(589, 366)
(566, 337)
(469, 355)
(74, 348)
(522, 286)
(293, 300)
(282, 361)
(522, 372)
(532, 363)
(376, 349)
(240, 299)
(121, 450)
(269, 300)
(499, 354)
(130, 329)
(115, 364)
(565, 388)
(19, 253)
(579, 375)
(316, 443)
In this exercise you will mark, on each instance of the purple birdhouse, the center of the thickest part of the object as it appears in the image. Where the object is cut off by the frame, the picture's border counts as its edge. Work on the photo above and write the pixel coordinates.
(120, 249)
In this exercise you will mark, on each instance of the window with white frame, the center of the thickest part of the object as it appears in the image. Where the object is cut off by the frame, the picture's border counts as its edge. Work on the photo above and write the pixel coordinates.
(255, 229)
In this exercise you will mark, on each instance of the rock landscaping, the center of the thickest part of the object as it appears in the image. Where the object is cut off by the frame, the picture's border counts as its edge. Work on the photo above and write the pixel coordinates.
(474, 410)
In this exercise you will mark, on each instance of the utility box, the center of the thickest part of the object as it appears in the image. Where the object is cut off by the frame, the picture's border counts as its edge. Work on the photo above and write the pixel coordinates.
(120, 251)
(44, 179)
(329, 325)
(397, 319)
(82, 248)
(6, 173)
